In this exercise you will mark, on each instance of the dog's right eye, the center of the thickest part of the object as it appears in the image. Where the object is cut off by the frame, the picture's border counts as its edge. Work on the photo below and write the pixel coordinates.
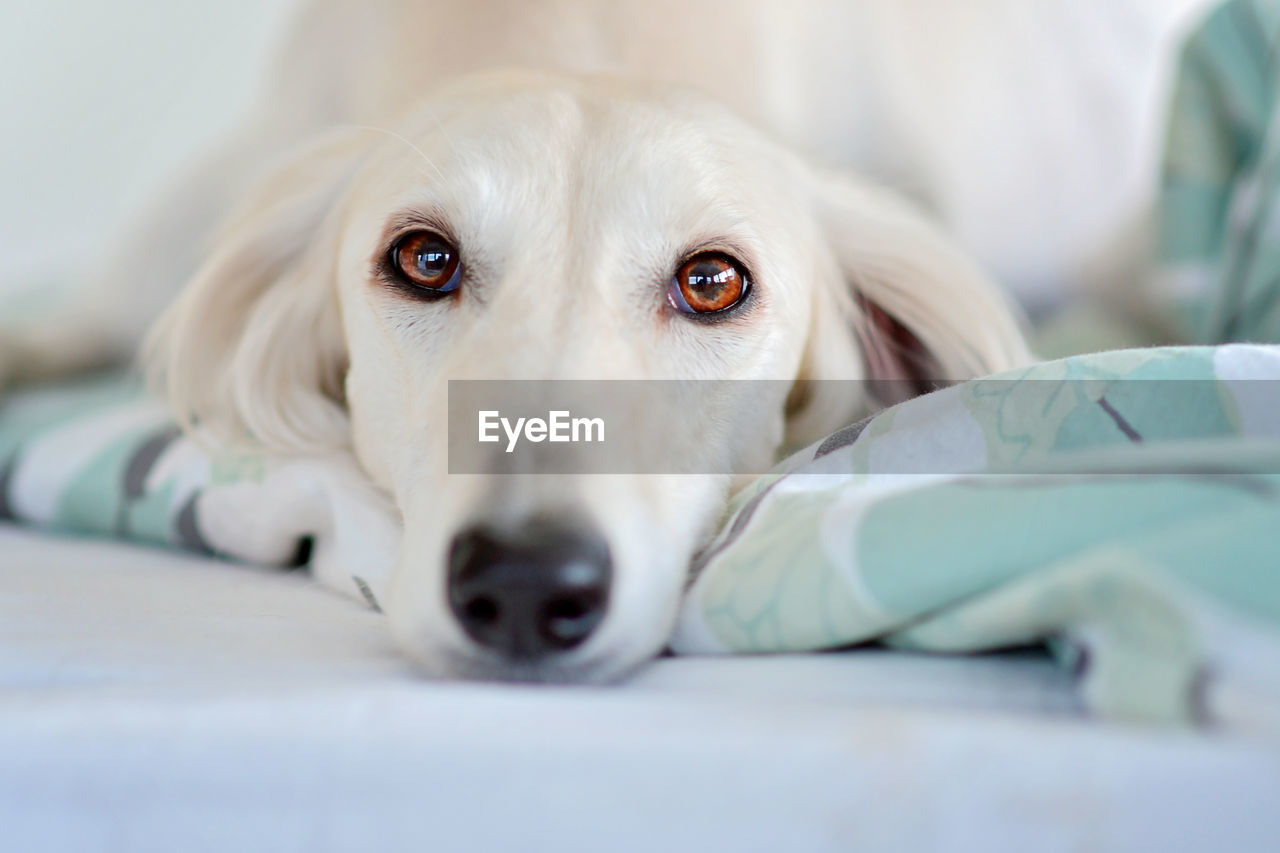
(427, 262)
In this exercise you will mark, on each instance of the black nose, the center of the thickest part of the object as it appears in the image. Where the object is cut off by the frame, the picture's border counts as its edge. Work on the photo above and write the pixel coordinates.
(528, 593)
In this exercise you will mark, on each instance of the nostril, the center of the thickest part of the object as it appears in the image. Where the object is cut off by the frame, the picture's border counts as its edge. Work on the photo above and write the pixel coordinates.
(566, 622)
(566, 609)
(482, 611)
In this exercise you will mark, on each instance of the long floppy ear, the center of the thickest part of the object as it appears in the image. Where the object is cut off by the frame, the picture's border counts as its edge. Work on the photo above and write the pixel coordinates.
(252, 349)
(899, 304)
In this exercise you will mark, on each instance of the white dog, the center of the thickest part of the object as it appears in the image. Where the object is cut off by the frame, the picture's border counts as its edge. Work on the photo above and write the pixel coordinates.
(430, 218)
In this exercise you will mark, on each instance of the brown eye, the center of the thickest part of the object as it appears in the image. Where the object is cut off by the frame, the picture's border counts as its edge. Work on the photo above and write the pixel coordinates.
(426, 260)
(708, 283)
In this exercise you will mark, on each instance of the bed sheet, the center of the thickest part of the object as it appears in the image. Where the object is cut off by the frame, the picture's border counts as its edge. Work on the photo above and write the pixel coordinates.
(158, 701)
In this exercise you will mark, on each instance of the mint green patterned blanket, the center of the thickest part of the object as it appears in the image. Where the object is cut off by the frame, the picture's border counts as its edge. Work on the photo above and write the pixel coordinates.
(1219, 276)
(1122, 507)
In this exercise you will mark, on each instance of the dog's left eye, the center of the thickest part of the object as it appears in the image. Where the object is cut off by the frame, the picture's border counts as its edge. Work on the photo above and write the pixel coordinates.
(709, 283)
(427, 261)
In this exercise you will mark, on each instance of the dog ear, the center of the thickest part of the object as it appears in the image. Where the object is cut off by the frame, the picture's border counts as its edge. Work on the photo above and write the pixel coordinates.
(253, 349)
(900, 305)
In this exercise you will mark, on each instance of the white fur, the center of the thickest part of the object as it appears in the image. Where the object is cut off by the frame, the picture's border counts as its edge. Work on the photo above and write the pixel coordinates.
(572, 196)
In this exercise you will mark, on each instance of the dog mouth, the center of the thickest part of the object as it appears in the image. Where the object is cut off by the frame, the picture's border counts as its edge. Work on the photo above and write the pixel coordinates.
(598, 669)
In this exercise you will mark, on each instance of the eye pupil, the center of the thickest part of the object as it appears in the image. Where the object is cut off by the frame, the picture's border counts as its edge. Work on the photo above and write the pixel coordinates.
(426, 261)
(710, 277)
(708, 283)
(432, 262)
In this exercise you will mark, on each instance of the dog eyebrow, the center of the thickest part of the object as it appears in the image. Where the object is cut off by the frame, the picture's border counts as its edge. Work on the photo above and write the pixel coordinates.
(727, 245)
(411, 220)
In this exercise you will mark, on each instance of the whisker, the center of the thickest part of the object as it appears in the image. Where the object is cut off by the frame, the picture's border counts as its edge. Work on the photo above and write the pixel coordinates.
(395, 135)
(440, 126)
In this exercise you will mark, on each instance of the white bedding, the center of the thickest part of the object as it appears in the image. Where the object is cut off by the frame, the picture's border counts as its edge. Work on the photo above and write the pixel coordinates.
(152, 701)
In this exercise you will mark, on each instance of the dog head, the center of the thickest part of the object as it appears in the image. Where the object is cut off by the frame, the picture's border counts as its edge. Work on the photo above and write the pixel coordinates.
(546, 226)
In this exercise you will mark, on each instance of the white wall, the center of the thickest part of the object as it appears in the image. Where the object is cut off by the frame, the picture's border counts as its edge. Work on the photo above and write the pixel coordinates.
(100, 102)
